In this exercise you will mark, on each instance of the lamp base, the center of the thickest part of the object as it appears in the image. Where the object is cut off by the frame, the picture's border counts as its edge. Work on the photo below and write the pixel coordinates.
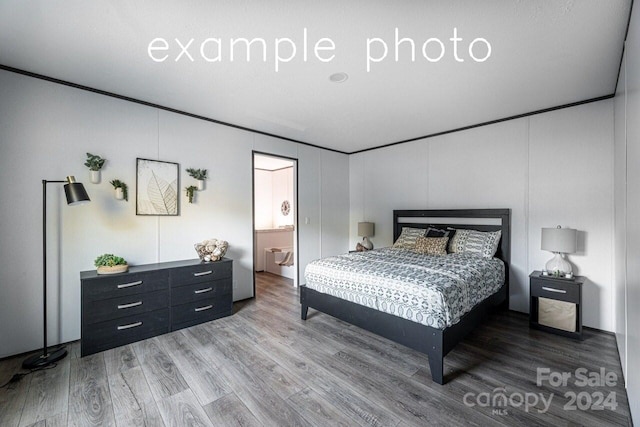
(367, 243)
(41, 360)
(558, 263)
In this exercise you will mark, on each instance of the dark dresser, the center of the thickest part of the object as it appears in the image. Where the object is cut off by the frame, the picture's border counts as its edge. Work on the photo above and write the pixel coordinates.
(151, 300)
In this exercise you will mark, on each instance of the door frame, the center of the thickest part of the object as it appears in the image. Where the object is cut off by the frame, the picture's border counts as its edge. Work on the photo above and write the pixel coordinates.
(296, 235)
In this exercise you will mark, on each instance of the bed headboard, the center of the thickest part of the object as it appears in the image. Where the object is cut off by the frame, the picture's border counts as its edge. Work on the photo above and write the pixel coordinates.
(474, 219)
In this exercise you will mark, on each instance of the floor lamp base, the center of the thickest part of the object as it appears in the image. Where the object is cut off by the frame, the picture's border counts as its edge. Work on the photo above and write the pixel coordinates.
(40, 361)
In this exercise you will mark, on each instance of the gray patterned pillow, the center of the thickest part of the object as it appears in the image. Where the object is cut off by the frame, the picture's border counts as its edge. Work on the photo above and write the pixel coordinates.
(407, 239)
(484, 244)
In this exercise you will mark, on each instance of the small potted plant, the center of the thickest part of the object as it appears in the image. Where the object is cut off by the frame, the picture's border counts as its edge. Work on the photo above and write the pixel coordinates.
(190, 192)
(110, 264)
(121, 189)
(199, 174)
(94, 163)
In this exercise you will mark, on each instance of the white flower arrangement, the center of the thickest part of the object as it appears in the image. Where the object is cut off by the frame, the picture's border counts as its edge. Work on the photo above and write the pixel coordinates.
(211, 249)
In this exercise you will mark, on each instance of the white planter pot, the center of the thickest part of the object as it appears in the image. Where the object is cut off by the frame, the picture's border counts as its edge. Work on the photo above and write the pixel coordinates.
(95, 177)
(200, 184)
(119, 194)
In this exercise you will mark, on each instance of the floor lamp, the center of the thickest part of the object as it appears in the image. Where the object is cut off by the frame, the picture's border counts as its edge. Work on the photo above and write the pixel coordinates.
(76, 195)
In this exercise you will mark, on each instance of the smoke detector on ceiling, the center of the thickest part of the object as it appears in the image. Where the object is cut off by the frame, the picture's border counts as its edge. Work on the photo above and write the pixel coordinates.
(339, 77)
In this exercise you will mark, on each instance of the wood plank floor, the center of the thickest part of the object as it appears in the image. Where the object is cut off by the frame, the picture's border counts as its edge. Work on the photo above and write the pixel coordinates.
(265, 366)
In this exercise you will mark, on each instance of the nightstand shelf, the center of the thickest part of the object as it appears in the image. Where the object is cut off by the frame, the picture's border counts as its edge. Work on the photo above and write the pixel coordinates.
(556, 289)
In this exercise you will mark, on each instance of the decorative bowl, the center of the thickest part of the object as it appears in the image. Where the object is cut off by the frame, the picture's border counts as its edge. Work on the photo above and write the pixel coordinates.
(113, 270)
(211, 249)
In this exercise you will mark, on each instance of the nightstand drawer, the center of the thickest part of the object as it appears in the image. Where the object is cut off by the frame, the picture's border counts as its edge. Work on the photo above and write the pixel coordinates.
(124, 284)
(201, 311)
(555, 289)
(199, 291)
(204, 272)
(115, 308)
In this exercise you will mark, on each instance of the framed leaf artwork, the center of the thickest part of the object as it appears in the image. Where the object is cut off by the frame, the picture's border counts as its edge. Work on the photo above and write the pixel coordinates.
(157, 187)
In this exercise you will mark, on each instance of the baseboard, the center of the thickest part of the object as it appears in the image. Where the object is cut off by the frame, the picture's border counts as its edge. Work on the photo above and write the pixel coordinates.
(602, 331)
(26, 353)
(590, 328)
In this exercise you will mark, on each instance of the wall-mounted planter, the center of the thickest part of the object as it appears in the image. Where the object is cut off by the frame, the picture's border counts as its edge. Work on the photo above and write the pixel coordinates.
(190, 191)
(119, 194)
(120, 190)
(95, 177)
(199, 175)
(94, 163)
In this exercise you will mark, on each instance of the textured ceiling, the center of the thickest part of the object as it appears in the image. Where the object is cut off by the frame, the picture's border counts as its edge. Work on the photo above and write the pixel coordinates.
(543, 54)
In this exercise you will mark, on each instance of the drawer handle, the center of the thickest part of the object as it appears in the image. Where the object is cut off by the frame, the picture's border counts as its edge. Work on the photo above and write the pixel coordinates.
(206, 307)
(128, 285)
(202, 291)
(133, 304)
(204, 273)
(559, 291)
(129, 326)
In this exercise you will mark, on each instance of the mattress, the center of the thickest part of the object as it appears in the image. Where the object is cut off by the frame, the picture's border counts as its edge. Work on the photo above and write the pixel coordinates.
(431, 290)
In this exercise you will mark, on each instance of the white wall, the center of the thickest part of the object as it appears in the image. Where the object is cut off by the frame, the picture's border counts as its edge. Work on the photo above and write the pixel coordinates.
(271, 189)
(45, 131)
(627, 207)
(549, 169)
(283, 190)
(263, 181)
(620, 216)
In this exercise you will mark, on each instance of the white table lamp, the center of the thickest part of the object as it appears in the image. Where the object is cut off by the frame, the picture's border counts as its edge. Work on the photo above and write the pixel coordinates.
(560, 241)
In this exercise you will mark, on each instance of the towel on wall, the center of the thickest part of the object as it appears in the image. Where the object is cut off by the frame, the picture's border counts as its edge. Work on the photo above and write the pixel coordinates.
(284, 259)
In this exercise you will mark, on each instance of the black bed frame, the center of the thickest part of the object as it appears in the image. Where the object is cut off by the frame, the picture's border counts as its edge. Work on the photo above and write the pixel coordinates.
(436, 343)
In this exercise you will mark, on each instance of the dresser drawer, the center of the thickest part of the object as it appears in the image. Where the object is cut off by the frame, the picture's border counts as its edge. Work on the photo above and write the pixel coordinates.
(114, 333)
(129, 305)
(204, 272)
(201, 311)
(124, 285)
(200, 291)
(555, 289)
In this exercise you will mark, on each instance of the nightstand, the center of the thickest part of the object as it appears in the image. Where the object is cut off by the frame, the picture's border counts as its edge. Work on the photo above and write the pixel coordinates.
(555, 304)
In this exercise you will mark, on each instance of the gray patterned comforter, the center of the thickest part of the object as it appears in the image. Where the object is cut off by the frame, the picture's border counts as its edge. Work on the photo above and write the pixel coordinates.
(432, 290)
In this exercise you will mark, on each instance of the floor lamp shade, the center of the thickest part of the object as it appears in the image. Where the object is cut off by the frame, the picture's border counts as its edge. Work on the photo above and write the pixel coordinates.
(76, 195)
(560, 241)
(366, 230)
(75, 192)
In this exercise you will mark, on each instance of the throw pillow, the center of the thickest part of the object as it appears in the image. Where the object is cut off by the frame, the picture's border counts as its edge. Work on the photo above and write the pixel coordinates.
(484, 244)
(431, 245)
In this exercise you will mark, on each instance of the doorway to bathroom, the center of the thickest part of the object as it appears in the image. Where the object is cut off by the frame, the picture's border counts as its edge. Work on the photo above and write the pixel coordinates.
(275, 226)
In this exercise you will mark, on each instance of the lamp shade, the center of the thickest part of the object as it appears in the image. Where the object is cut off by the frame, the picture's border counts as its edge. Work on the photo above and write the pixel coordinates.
(366, 229)
(562, 240)
(75, 192)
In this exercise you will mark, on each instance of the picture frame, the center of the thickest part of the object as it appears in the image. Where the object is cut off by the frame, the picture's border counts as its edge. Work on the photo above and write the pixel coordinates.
(157, 188)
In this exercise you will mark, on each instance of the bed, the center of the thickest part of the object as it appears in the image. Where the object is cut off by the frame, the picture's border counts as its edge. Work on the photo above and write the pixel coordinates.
(425, 303)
